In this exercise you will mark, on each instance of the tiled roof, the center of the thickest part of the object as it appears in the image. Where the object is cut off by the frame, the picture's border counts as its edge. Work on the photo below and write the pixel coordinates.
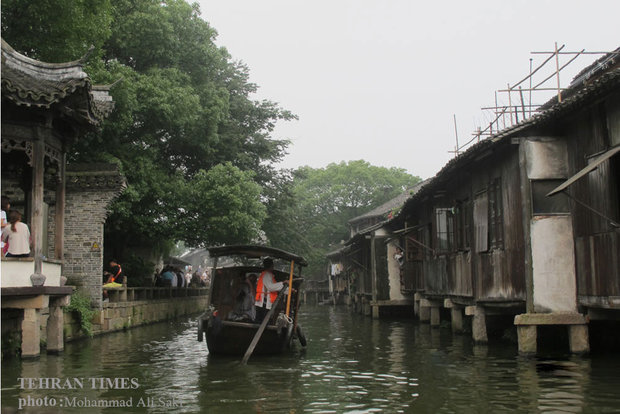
(28, 82)
(390, 205)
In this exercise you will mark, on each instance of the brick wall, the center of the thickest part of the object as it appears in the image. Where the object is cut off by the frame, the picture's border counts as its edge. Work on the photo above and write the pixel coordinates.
(89, 194)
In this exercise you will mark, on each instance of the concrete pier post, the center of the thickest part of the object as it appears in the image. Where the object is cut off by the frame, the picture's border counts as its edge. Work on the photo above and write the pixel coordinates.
(576, 324)
(578, 339)
(375, 311)
(425, 310)
(55, 339)
(479, 323)
(31, 333)
(55, 324)
(456, 315)
(528, 339)
(416, 304)
(435, 316)
(366, 308)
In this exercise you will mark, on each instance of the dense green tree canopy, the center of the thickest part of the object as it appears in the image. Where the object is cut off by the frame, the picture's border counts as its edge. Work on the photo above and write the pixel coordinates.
(56, 30)
(196, 149)
(193, 144)
(314, 206)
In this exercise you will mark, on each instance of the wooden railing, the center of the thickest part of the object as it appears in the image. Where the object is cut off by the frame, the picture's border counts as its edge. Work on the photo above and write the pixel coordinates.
(131, 294)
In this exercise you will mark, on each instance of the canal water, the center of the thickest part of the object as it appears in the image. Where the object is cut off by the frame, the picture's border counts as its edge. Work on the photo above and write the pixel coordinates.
(352, 364)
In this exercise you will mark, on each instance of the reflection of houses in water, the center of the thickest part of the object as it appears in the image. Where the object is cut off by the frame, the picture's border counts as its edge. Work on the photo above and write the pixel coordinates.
(45, 108)
(521, 228)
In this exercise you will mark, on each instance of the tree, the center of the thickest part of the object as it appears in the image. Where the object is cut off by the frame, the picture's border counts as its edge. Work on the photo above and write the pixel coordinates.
(182, 109)
(56, 30)
(314, 206)
(232, 203)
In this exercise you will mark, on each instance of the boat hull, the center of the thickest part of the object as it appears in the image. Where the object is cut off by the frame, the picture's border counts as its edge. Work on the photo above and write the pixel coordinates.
(234, 338)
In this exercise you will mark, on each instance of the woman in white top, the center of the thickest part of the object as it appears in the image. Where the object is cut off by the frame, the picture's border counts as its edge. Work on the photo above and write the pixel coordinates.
(6, 205)
(17, 235)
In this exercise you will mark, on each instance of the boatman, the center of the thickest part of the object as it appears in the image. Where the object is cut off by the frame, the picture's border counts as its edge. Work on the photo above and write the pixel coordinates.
(266, 290)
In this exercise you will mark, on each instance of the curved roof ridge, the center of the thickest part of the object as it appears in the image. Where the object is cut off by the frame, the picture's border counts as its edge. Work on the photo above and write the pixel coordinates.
(48, 71)
(29, 82)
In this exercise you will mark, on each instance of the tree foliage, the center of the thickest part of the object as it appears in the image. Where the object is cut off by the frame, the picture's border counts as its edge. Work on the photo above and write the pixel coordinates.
(195, 148)
(315, 205)
(56, 30)
(193, 144)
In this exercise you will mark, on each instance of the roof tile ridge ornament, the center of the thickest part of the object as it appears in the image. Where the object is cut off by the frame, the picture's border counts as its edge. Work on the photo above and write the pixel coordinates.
(107, 87)
(31, 83)
(86, 56)
(54, 72)
(8, 49)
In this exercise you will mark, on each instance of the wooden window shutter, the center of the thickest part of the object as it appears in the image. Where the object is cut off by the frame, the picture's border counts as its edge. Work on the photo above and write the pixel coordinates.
(481, 222)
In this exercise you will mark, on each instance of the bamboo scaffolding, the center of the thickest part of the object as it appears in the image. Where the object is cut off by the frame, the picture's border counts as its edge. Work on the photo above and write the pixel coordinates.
(526, 110)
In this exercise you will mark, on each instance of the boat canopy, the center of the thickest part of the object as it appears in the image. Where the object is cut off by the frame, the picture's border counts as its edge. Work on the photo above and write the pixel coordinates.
(252, 251)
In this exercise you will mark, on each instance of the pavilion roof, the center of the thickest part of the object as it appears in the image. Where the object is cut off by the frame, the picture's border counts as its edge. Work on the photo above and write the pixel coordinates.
(31, 83)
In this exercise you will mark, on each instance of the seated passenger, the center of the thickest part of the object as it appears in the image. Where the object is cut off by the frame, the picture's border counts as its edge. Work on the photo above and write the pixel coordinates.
(244, 310)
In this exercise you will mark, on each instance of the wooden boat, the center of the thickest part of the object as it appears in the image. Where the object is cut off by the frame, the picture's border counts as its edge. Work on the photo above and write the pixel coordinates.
(229, 331)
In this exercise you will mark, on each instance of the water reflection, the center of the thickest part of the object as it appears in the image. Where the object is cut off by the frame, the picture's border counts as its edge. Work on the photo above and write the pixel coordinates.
(352, 364)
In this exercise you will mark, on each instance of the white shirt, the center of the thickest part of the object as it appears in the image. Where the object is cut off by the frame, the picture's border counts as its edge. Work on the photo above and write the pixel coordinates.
(19, 241)
(3, 223)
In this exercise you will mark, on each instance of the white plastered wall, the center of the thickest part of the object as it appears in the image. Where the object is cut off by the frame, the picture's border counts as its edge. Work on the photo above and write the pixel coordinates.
(553, 261)
(553, 250)
(393, 273)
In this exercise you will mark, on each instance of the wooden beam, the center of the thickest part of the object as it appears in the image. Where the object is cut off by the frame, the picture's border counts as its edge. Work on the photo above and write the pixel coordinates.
(36, 226)
(60, 209)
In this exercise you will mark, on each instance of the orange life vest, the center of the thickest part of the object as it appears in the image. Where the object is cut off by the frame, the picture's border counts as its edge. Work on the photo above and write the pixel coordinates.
(117, 273)
(260, 291)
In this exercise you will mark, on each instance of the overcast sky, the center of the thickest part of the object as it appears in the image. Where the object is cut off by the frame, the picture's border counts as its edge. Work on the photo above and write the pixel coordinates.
(381, 80)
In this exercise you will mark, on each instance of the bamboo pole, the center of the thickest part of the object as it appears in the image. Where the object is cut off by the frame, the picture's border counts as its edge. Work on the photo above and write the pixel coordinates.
(456, 134)
(553, 74)
(538, 67)
(510, 104)
(290, 288)
(522, 103)
(530, 99)
(557, 68)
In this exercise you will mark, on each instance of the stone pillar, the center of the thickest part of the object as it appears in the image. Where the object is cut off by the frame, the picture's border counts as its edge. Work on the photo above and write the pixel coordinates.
(375, 311)
(578, 339)
(425, 310)
(479, 324)
(576, 323)
(527, 337)
(55, 338)
(31, 333)
(435, 316)
(55, 325)
(123, 292)
(457, 319)
(456, 315)
(366, 308)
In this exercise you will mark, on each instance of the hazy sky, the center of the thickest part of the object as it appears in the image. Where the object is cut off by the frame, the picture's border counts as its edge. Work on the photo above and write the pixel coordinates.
(381, 80)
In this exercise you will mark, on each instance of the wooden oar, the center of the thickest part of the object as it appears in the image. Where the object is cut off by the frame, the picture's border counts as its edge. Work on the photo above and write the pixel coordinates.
(261, 328)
